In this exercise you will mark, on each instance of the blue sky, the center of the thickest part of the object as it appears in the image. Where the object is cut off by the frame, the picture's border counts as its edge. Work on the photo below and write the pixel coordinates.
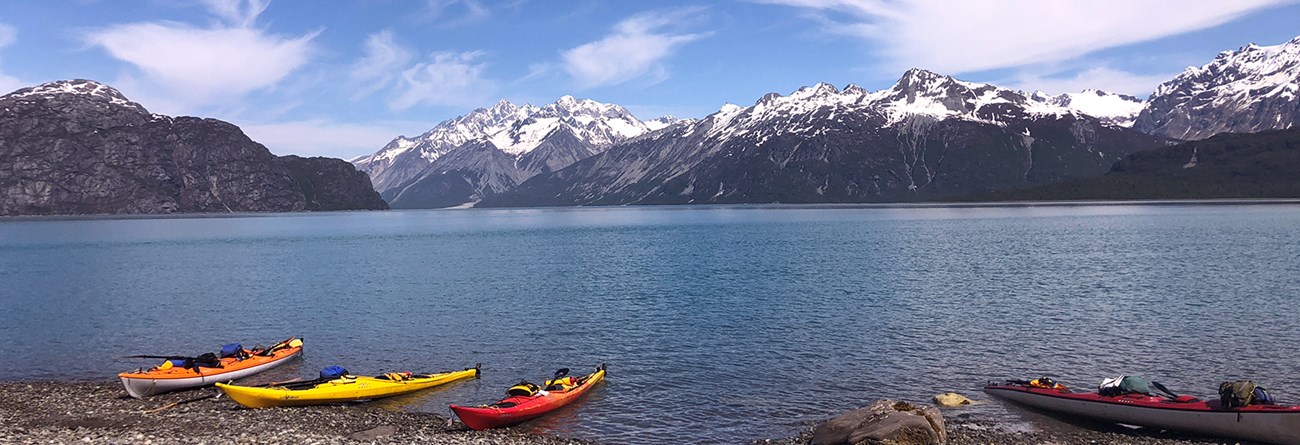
(343, 78)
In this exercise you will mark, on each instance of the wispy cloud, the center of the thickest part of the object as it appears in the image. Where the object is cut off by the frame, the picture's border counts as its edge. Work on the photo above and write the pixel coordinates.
(455, 12)
(448, 78)
(239, 13)
(957, 37)
(443, 79)
(8, 35)
(199, 67)
(380, 65)
(635, 48)
(1103, 78)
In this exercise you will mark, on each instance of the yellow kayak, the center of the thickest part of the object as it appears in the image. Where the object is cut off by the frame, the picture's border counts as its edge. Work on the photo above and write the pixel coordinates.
(348, 388)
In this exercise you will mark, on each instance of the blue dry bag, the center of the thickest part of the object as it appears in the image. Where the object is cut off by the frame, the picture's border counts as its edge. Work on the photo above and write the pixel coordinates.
(231, 350)
(333, 372)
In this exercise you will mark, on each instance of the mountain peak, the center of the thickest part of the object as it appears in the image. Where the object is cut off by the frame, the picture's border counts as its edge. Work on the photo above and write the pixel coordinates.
(1238, 91)
(79, 87)
(921, 75)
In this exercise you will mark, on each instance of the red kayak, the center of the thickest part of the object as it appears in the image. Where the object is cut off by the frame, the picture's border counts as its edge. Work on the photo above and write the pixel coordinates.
(527, 402)
(1277, 424)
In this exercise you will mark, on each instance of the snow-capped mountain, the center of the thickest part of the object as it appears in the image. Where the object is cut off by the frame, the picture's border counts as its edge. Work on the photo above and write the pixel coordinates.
(1112, 108)
(1251, 89)
(665, 122)
(87, 89)
(532, 139)
(929, 135)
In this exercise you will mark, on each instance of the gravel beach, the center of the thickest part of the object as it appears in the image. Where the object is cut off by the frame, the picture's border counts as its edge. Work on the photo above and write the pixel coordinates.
(102, 413)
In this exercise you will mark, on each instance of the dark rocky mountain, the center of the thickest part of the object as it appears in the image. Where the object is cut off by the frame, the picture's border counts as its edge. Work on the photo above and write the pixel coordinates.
(1227, 165)
(1254, 88)
(80, 147)
(491, 150)
(927, 137)
(331, 184)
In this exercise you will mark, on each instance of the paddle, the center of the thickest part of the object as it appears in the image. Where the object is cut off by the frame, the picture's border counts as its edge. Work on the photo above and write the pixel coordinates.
(1163, 389)
(278, 346)
(167, 357)
(559, 374)
(208, 360)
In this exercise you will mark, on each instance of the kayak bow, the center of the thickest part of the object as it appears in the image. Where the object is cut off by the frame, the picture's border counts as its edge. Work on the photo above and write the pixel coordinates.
(513, 410)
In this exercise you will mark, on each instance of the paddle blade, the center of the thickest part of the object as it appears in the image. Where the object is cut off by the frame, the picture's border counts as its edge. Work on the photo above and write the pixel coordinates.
(560, 373)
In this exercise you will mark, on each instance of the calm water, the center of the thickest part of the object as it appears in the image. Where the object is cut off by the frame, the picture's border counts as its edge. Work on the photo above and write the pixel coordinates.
(719, 325)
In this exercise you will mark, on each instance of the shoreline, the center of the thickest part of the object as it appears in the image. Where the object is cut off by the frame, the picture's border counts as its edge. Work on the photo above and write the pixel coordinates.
(940, 204)
(102, 412)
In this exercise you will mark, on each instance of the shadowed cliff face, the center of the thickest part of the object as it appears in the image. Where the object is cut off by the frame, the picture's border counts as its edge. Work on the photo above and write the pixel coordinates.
(331, 184)
(80, 147)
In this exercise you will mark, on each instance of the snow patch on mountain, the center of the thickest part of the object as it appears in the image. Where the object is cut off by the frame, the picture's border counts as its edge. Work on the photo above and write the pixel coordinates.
(1253, 72)
(1117, 109)
(917, 93)
(1253, 88)
(664, 122)
(77, 86)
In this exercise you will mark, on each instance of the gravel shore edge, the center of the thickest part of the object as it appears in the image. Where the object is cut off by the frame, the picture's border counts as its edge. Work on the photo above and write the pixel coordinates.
(102, 413)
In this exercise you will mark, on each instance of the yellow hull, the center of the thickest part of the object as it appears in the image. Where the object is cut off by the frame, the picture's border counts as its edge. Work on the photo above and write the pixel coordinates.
(344, 389)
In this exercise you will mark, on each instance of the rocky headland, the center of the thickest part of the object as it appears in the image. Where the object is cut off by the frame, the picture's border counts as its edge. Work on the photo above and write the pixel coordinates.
(81, 147)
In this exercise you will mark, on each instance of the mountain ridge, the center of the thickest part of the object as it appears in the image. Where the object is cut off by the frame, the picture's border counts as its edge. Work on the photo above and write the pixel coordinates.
(81, 147)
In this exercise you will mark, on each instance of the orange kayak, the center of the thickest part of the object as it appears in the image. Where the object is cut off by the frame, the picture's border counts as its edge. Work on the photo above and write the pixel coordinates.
(522, 408)
(170, 377)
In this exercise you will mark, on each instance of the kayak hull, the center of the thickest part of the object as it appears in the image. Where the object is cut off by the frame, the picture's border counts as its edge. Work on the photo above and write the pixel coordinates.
(148, 383)
(342, 390)
(1276, 424)
(518, 409)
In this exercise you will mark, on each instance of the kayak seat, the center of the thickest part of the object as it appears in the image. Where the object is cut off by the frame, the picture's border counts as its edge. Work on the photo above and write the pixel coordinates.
(502, 405)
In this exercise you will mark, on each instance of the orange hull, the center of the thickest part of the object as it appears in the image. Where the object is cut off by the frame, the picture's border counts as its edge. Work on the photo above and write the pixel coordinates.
(157, 381)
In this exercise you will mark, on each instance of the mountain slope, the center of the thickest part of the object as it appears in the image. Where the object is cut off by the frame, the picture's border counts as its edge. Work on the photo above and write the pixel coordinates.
(80, 147)
(530, 140)
(928, 136)
(1252, 89)
(1228, 165)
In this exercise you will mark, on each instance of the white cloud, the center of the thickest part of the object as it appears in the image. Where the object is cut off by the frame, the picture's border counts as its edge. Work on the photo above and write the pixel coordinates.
(448, 78)
(455, 12)
(8, 35)
(198, 67)
(239, 13)
(444, 78)
(1101, 78)
(9, 84)
(379, 67)
(635, 48)
(959, 36)
(321, 137)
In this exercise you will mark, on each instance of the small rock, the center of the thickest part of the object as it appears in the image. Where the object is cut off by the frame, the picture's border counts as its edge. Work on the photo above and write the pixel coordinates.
(951, 399)
(373, 433)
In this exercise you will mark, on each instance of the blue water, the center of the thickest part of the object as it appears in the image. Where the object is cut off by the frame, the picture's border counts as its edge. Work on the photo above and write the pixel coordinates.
(719, 325)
